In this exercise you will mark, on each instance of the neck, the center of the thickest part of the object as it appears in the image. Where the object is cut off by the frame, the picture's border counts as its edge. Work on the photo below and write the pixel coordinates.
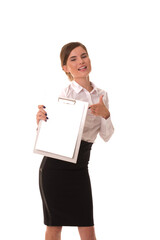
(84, 82)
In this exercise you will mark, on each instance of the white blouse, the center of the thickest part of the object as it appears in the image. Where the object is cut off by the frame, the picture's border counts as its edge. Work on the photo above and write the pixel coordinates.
(93, 124)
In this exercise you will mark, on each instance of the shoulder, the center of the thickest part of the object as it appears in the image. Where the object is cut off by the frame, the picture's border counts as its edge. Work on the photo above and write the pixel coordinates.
(66, 91)
(100, 91)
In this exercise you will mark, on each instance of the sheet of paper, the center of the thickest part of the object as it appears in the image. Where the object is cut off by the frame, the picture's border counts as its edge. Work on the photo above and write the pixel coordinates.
(59, 134)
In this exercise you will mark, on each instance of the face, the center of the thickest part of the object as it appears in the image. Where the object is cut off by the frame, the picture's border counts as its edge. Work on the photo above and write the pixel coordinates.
(78, 63)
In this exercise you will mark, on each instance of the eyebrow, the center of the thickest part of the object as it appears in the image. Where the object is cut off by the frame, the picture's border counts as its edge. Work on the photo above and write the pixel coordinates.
(81, 55)
(72, 57)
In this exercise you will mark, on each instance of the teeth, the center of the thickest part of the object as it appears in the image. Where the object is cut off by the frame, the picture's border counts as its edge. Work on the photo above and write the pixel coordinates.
(82, 68)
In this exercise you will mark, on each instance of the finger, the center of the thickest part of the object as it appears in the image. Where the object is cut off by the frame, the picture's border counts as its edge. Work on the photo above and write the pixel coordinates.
(44, 118)
(94, 113)
(41, 115)
(93, 110)
(101, 99)
(42, 111)
(41, 106)
(92, 106)
(41, 118)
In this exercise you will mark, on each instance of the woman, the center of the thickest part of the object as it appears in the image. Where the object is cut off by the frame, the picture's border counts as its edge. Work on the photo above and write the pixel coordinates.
(65, 187)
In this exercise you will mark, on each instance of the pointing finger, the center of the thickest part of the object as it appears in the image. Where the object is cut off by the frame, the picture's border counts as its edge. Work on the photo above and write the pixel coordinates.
(92, 106)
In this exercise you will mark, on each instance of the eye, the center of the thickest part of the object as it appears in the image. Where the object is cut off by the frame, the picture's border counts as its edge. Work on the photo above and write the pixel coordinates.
(73, 59)
(84, 55)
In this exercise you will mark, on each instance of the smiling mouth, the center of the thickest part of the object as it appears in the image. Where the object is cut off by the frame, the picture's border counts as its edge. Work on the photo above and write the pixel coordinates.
(82, 68)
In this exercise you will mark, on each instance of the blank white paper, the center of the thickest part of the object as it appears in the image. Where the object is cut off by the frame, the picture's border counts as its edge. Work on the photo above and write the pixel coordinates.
(59, 134)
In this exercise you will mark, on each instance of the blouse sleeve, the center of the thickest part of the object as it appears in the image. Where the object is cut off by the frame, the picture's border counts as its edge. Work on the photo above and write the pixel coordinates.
(106, 128)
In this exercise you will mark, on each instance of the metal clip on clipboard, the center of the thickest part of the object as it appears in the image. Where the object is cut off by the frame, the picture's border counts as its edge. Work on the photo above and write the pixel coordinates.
(66, 100)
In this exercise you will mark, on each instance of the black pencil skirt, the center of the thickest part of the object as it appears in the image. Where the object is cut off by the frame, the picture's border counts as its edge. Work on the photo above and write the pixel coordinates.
(66, 190)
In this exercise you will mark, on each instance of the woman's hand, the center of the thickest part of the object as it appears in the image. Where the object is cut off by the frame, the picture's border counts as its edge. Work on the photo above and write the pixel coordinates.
(100, 109)
(41, 114)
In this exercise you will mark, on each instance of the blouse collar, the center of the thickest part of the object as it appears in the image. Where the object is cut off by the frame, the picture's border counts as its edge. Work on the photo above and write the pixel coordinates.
(77, 88)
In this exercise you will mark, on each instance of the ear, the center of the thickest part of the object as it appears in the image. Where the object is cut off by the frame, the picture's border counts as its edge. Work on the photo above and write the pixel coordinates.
(65, 68)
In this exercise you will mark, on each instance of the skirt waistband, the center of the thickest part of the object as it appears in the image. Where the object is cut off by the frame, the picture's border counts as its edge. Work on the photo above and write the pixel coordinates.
(82, 160)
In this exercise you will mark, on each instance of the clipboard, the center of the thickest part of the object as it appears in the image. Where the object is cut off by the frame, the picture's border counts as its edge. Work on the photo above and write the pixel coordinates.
(61, 135)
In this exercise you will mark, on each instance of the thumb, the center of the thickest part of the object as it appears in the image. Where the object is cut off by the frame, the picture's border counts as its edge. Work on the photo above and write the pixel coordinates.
(101, 99)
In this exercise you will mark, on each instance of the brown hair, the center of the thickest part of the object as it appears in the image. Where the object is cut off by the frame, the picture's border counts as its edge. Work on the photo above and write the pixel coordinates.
(65, 52)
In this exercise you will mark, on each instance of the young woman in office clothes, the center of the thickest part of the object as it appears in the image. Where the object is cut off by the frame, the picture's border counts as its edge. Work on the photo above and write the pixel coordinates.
(65, 187)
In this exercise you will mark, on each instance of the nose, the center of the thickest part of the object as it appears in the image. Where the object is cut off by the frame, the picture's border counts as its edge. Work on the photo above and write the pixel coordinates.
(82, 61)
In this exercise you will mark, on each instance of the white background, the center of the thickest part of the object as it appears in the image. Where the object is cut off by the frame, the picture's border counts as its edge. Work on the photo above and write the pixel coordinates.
(122, 38)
